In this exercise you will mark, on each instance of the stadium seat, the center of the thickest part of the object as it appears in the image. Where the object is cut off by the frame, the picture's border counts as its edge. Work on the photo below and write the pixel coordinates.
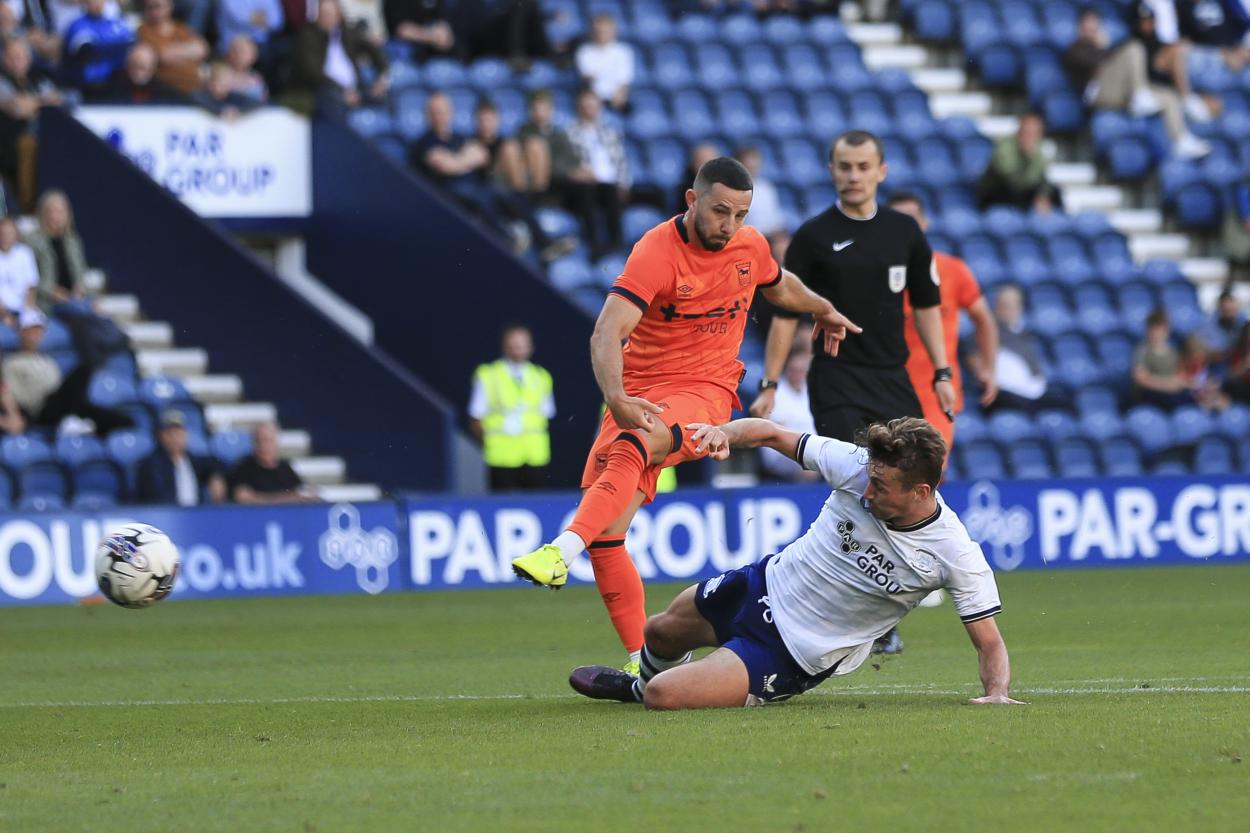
(1150, 427)
(92, 502)
(231, 446)
(637, 220)
(1028, 460)
(1006, 427)
(161, 391)
(76, 449)
(697, 121)
(1136, 299)
(785, 31)
(99, 477)
(1100, 426)
(41, 503)
(998, 65)
(782, 117)
(441, 73)
(128, 448)
(1063, 111)
(1121, 457)
(1180, 299)
(803, 69)
(371, 122)
(1075, 457)
(140, 415)
(934, 20)
(46, 478)
(608, 268)
(24, 450)
(1190, 424)
(981, 459)
(760, 70)
(1234, 421)
(109, 389)
(1055, 425)
(716, 68)
(667, 161)
(737, 114)
(571, 272)
(1198, 205)
(670, 64)
(1115, 353)
(1129, 157)
(556, 222)
(1169, 468)
(486, 75)
(1214, 455)
(970, 427)
(827, 30)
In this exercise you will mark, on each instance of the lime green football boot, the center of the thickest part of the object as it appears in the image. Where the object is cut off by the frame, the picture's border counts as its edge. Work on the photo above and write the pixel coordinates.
(543, 567)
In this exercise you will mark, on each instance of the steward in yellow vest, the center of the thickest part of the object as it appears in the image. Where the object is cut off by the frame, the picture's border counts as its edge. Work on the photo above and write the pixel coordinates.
(509, 408)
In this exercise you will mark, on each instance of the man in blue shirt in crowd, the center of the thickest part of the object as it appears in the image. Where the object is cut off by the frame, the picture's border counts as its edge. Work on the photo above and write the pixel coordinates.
(96, 46)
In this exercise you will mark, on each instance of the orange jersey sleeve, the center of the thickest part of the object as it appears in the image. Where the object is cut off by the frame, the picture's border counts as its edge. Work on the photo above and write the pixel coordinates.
(650, 270)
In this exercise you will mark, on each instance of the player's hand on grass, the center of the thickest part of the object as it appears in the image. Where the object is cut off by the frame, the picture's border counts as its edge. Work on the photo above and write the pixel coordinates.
(634, 412)
(834, 326)
(995, 700)
(711, 439)
(763, 404)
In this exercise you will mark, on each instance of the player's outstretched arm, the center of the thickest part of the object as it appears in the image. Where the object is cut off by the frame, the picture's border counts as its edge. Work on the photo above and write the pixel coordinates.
(617, 320)
(744, 433)
(793, 295)
(994, 665)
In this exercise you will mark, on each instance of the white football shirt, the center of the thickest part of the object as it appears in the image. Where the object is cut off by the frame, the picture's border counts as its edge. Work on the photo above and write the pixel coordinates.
(851, 577)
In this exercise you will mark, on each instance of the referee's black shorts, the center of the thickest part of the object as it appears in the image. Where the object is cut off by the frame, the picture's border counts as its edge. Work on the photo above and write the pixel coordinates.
(847, 397)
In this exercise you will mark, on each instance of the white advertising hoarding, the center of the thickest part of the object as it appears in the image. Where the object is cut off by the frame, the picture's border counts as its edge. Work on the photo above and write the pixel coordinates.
(257, 166)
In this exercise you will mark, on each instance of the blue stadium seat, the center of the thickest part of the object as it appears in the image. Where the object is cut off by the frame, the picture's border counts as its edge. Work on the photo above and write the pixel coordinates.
(1008, 427)
(1063, 111)
(637, 220)
(936, 166)
(1004, 221)
(99, 477)
(650, 23)
(589, 299)
(1090, 225)
(803, 161)
(803, 68)
(543, 75)
(970, 427)
(1198, 205)
(608, 268)
(1150, 427)
(1043, 77)
(737, 114)
(463, 102)
(934, 20)
(513, 110)
(998, 65)
(564, 21)
(24, 450)
(1136, 299)
(1101, 426)
(1114, 263)
(45, 478)
(1070, 260)
(697, 122)
(818, 198)
(371, 122)
(159, 391)
(410, 115)
(441, 73)
(1180, 299)
(41, 503)
(1214, 455)
(980, 460)
(979, 26)
(716, 68)
(66, 360)
(782, 117)
(76, 449)
(127, 448)
(1022, 25)
(670, 65)
(404, 75)
(1075, 457)
(556, 222)
(1027, 258)
(1234, 421)
(974, 155)
(141, 415)
(1169, 468)
(825, 114)
(1121, 457)
(1129, 157)
(92, 502)
(1115, 353)
(486, 75)
(785, 31)
(1159, 272)
(648, 117)
(109, 389)
(1055, 425)
(1028, 460)
(760, 70)
(740, 29)
(667, 161)
(231, 446)
(1190, 424)
(571, 272)
(1075, 364)
(827, 30)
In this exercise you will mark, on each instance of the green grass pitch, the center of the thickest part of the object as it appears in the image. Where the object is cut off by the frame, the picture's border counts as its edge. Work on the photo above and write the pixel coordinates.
(450, 712)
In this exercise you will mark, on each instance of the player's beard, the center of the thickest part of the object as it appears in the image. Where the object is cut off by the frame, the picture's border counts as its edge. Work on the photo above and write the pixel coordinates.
(709, 245)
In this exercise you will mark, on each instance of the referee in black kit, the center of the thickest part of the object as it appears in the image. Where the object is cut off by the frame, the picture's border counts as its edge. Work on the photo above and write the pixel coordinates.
(862, 257)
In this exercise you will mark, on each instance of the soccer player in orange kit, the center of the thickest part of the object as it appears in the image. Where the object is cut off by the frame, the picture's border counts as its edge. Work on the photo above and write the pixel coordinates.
(960, 291)
(665, 355)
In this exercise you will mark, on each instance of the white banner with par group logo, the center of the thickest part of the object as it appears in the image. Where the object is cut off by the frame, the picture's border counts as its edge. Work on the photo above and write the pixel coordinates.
(259, 165)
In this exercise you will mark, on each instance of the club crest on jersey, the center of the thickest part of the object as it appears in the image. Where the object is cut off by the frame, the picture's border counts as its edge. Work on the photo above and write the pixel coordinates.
(744, 272)
(898, 278)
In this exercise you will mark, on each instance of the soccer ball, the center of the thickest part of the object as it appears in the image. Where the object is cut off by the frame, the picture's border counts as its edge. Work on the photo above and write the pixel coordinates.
(136, 565)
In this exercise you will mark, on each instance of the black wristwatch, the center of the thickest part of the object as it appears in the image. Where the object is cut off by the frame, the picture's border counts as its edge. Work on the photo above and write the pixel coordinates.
(943, 374)
(767, 384)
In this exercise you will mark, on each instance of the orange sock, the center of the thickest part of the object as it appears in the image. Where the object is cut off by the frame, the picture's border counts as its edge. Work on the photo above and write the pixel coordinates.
(621, 588)
(610, 495)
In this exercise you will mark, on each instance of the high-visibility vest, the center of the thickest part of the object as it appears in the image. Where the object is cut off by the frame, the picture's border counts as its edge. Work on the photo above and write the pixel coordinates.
(514, 430)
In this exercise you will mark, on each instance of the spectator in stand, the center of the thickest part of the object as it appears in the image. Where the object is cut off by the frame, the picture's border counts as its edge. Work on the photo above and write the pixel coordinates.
(1157, 377)
(766, 213)
(1221, 331)
(424, 24)
(11, 420)
(547, 151)
(1219, 30)
(605, 64)
(1200, 375)
(170, 475)
(29, 20)
(1155, 24)
(244, 79)
(260, 20)
(96, 46)
(1019, 371)
(180, 51)
(791, 410)
(505, 168)
(700, 155)
(335, 68)
(219, 98)
(263, 476)
(58, 252)
(19, 274)
(1237, 231)
(1016, 175)
(44, 395)
(599, 182)
(137, 82)
(1237, 384)
(512, 29)
(1117, 79)
(23, 90)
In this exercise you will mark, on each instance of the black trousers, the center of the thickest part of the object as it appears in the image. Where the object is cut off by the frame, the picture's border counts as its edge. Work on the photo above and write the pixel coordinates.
(521, 479)
(589, 201)
(846, 398)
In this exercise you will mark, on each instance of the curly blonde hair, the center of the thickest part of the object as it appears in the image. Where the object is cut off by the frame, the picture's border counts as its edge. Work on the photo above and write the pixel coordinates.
(908, 444)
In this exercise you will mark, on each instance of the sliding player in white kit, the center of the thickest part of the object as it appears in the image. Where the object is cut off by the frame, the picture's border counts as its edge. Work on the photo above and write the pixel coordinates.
(883, 541)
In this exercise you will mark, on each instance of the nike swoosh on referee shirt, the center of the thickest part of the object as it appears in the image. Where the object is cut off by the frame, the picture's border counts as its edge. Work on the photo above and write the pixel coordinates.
(837, 247)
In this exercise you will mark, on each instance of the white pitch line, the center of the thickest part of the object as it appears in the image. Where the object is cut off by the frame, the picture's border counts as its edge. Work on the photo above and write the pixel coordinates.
(441, 698)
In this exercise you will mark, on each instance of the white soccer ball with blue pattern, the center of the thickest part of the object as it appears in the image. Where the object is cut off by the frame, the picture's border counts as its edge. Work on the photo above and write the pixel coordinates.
(136, 565)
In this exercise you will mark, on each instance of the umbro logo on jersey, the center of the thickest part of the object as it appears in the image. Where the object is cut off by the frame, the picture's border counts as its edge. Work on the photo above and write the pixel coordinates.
(837, 247)
(685, 289)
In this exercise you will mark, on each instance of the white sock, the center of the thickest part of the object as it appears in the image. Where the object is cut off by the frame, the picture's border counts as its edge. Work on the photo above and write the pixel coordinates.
(635, 656)
(570, 545)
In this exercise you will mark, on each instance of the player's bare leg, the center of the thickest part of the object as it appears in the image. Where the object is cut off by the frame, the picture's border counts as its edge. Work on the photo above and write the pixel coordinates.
(718, 681)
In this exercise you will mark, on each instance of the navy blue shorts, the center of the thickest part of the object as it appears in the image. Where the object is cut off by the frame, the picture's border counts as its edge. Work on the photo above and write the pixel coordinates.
(736, 604)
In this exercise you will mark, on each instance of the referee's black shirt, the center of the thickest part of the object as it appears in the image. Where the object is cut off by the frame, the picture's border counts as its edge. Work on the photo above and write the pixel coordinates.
(862, 267)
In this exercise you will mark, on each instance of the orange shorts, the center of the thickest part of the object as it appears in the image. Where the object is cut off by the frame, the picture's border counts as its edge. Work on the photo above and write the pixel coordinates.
(682, 406)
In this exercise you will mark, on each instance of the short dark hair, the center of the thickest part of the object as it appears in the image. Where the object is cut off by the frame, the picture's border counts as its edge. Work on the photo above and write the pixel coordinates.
(541, 94)
(899, 197)
(727, 171)
(1158, 317)
(908, 444)
(855, 138)
(484, 104)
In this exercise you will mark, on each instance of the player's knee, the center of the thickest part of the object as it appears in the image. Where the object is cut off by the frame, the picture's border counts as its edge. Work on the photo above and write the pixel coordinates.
(658, 632)
(661, 695)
